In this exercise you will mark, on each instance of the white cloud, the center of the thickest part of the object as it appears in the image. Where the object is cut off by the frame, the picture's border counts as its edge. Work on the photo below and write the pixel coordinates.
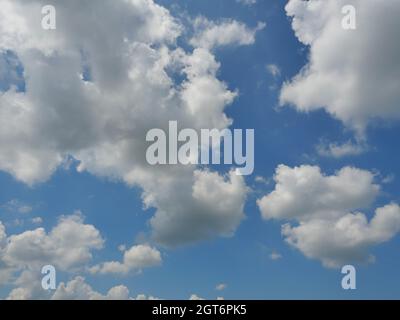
(195, 297)
(68, 246)
(335, 150)
(6, 271)
(304, 192)
(37, 220)
(353, 74)
(275, 256)
(28, 287)
(134, 260)
(101, 121)
(247, 2)
(389, 178)
(75, 289)
(210, 35)
(145, 297)
(17, 206)
(216, 203)
(3, 235)
(221, 287)
(78, 289)
(327, 223)
(273, 70)
(262, 180)
(122, 247)
(347, 239)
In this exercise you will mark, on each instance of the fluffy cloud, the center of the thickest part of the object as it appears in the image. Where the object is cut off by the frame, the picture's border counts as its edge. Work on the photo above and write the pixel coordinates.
(353, 74)
(28, 287)
(94, 98)
(328, 225)
(347, 239)
(216, 204)
(304, 193)
(135, 259)
(78, 289)
(67, 246)
(210, 35)
(75, 289)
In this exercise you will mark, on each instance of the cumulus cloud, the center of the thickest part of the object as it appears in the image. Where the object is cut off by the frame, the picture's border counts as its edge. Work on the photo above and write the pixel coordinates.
(78, 289)
(75, 289)
(210, 35)
(328, 225)
(305, 192)
(28, 287)
(135, 259)
(352, 74)
(216, 203)
(68, 247)
(94, 98)
(347, 239)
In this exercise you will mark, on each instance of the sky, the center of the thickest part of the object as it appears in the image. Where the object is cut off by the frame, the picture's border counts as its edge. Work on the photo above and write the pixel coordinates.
(76, 191)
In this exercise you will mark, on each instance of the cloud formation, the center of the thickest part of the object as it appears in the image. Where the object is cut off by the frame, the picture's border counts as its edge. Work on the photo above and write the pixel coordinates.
(211, 35)
(94, 98)
(78, 289)
(135, 259)
(68, 247)
(336, 150)
(352, 74)
(327, 224)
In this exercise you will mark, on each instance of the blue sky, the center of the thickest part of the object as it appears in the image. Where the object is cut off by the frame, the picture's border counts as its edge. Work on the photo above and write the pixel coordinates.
(284, 135)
